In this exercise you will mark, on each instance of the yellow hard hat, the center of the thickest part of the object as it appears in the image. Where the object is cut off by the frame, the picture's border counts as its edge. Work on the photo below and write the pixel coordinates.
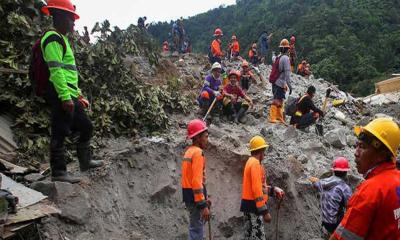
(385, 130)
(257, 142)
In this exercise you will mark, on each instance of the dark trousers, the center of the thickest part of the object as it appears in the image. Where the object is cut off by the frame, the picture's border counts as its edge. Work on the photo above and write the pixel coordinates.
(234, 108)
(330, 227)
(62, 125)
(245, 83)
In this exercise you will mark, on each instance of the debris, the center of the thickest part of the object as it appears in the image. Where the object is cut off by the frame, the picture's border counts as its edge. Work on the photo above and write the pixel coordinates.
(34, 177)
(336, 138)
(7, 143)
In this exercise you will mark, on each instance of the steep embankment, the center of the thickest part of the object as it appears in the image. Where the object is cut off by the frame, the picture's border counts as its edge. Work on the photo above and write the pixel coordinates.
(351, 43)
(137, 195)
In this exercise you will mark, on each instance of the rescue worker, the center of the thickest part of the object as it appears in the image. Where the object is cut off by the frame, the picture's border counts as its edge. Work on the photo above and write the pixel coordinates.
(63, 95)
(253, 55)
(301, 68)
(307, 71)
(281, 85)
(216, 53)
(373, 212)
(193, 179)
(263, 40)
(165, 47)
(211, 88)
(246, 76)
(292, 53)
(232, 107)
(141, 22)
(255, 192)
(307, 113)
(234, 48)
(335, 193)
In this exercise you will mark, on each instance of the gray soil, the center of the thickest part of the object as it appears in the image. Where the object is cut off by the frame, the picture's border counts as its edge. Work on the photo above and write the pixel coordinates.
(137, 194)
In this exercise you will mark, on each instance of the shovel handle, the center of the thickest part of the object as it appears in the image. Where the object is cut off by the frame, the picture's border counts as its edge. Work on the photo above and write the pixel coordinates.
(209, 109)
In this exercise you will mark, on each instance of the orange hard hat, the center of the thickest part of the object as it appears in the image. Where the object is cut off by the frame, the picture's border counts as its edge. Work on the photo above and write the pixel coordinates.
(292, 39)
(65, 5)
(234, 72)
(195, 127)
(284, 43)
(218, 32)
(205, 94)
(233, 37)
(245, 64)
(341, 164)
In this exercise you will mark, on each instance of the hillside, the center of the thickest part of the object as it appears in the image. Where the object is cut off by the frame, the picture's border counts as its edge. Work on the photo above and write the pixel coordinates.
(351, 43)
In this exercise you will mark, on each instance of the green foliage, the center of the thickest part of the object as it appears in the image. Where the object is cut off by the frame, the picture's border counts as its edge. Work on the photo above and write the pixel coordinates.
(122, 103)
(347, 42)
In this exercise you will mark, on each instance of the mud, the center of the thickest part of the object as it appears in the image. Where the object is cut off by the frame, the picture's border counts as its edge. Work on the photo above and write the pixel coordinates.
(137, 194)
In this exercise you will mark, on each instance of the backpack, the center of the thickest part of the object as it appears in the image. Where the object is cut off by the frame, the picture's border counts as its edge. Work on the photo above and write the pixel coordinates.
(38, 70)
(275, 71)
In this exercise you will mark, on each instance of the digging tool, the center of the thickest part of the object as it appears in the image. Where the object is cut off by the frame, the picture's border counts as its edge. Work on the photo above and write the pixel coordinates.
(318, 125)
(277, 219)
(209, 228)
(210, 108)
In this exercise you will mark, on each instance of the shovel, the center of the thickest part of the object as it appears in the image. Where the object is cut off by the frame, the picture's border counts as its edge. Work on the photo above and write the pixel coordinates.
(209, 109)
(319, 129)
(277, 219)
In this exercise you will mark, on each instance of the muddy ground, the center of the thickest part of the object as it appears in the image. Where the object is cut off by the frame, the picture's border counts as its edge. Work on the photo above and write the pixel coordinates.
(137, 194)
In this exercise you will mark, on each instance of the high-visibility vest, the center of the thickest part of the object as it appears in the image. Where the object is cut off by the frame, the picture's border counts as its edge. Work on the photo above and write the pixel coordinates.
(193, 177)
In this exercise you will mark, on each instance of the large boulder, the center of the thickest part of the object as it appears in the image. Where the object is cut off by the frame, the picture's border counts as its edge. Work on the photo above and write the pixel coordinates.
(336, 138)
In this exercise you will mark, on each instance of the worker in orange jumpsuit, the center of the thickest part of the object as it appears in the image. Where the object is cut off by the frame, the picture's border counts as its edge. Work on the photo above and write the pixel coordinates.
(216, 54)
(235, 48)
(373, 212)
(255, 192)
(193, 179)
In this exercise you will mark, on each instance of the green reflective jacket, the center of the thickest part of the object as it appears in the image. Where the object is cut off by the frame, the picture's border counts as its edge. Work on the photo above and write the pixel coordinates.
(63, 71)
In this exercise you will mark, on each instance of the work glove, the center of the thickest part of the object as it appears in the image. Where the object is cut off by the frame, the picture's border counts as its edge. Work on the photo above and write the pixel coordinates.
(68, 106)
(279, 193)
(205, 214)
(267, 218)
(217, 94)
(84, 102)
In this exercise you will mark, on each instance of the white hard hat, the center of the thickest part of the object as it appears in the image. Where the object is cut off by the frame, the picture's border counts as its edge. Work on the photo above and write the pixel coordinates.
(216, 65)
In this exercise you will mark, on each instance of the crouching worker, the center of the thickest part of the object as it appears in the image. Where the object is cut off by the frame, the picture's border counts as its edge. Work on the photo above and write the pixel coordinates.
(307, 113)
(193, 179)
(211, 88)
(255, 192)
(233, 108)
(246, 77)
(334, 194)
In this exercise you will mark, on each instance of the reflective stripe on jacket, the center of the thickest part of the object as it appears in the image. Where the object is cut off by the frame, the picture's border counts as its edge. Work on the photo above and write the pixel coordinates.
(193, 177)
(373, 212)
(62, 68)
(216, 48)
(253, 198)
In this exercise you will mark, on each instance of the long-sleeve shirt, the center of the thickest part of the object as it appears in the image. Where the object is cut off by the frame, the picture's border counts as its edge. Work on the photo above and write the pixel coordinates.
(335, 194)
(211, 84)
(306, 105)
(284, 69)
(216, 48)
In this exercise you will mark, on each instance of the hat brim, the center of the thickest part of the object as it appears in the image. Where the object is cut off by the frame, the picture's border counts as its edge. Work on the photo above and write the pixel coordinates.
(46, 11)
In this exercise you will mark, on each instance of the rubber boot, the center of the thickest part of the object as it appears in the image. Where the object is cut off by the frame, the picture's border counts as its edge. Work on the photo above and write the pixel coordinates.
(273, 113)
(84, 157)
(240, 114)
(279, 115)
(58, 165)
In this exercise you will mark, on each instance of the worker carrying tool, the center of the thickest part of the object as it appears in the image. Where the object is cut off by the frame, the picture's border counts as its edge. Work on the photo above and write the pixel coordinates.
(335, 193)
(373, 212)
(307, 113)
(254, 195)
(193, 179)
(292, 53)
(235, 48)
(253, 55)
(62, 93)
(233, 108)
(215, 53)
(246, 76)
(281, 83)
(211, 89)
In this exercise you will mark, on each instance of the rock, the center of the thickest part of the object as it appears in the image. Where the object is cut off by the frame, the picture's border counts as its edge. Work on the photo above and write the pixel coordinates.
(163, 192)
(336, 138)
(73, 202)
(45, 187)
(34, 177)
(313, 147)
(351, 140)
(85, 236)
(302, 158)
(248, 120)
(382, 115)
(290, 133)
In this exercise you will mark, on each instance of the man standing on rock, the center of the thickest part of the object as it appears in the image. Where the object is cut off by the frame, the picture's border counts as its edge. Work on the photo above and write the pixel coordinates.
(193, 179)
(216, 54)
(373, 212)
(255, 192)
(63, 94)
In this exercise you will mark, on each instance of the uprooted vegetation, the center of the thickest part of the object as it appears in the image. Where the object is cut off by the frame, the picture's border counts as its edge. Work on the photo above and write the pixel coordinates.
(123, 103)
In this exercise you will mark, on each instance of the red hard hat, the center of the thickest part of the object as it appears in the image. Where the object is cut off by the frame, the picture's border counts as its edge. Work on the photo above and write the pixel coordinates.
(195, 127)
(65, 5)
(218, 32)
(341, 164)
(234, 72)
